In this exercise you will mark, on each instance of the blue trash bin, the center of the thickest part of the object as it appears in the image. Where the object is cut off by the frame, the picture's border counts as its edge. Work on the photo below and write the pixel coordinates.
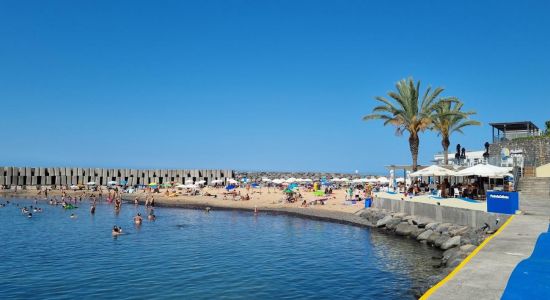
(368, 202)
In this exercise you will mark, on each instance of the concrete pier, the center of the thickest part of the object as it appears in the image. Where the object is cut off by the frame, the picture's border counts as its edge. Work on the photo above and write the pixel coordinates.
(29, 176)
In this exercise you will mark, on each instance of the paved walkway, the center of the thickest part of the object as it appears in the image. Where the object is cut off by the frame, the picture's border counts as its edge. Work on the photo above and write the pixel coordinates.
(485, 276)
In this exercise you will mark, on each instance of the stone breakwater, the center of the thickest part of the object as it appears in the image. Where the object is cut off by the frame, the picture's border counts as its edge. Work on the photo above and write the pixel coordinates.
(455, 240)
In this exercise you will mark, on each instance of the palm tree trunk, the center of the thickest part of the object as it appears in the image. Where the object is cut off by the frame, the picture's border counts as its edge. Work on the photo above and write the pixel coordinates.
(445, 142)
(414, 143)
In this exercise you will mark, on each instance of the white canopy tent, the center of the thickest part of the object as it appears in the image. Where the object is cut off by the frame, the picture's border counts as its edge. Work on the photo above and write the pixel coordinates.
(484, 171)
(433, 170)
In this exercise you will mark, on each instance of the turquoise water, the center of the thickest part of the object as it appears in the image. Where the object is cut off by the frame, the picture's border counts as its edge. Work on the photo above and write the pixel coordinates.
(190, 254)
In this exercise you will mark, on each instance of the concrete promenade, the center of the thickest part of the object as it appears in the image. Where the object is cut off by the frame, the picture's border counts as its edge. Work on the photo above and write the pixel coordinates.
(485, 276)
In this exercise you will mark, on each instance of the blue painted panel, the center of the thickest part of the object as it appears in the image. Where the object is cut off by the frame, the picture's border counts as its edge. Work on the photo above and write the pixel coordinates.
(502, 202)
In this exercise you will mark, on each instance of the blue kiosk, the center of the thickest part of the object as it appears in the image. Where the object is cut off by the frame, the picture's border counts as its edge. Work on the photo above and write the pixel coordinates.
(502, 202)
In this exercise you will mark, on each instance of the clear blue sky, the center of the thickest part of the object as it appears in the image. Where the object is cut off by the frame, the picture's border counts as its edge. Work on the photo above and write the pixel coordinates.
(255, 85)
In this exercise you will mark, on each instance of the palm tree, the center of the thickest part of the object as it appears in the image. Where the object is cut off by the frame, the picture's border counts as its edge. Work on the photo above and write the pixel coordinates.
(406, 112)
(449, 118)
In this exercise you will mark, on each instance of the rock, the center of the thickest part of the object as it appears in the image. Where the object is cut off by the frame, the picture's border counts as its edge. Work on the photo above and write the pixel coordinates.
(458, 255)
(404, 229)
(383, 221)
(431, 226)
(416, 232)
(450, 253)
(424, 235)
(441, 239)
(400, 215)
(392, 224)
(467, 248)
(443, 228)
(433, 237)
(473, 238)
(454, 263)
(452, 242)
(458, 230)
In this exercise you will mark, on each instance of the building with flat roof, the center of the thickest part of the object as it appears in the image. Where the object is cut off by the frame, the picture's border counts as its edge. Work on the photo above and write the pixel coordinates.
(512, 130)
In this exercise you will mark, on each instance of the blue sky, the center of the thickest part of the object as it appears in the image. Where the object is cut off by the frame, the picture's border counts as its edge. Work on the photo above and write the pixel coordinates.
(255, 85)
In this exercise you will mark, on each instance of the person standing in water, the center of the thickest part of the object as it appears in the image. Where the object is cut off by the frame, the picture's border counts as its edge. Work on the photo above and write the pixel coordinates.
(92, 209)
(151, 216)
(138, 219)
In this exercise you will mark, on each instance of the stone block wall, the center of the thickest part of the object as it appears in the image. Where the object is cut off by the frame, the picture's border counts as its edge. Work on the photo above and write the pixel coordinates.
(29, 176)
(536, 152)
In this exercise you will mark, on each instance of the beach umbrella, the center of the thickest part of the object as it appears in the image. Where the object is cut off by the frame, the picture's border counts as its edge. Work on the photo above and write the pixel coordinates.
(433, 170)
(166, 184)
(91, 183)
(74, 187)
(230, 187)
(357, 180)
(343, 179)
(233, 181)
(111, 182)
(201, 182)
(265, 179)
(291, 180)
(180, 186)
(277, 181)
(123, 182)
(217, 181)
(383, 180)
(153, 184)
(482, 170)
(308, 180)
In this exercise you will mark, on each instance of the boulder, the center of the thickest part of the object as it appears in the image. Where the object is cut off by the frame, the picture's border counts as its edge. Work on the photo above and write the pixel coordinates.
(404, 228)
(450, 243)
(416, 232)
(392, 224)
(443, 228)
(467, 248)
(450, 253)
(424, 235)
(458, 255)
(441, 239)
(400, 215)
(431, 226)
(458, 230)
(433, 237)
(383, 221)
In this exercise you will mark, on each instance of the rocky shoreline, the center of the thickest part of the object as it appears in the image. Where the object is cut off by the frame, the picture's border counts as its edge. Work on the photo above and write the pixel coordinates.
(456, 241)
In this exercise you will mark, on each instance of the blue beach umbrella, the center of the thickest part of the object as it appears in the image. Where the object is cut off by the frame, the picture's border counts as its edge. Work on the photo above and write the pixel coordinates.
(230, 187)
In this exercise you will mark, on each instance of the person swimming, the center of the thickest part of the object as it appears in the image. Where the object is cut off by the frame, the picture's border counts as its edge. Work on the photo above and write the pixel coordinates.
(73, 216)
(138, 219)
(151, 216)
(29, 215)
(116, 230)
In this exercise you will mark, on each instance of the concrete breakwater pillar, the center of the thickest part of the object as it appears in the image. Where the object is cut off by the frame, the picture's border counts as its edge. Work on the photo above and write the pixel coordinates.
(39, 176)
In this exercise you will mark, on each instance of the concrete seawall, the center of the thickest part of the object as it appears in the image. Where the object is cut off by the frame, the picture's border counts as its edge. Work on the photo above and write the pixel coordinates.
(441, 214)
(30, 176)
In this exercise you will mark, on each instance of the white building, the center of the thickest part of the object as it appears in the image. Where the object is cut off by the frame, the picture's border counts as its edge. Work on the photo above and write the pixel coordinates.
(472, 158)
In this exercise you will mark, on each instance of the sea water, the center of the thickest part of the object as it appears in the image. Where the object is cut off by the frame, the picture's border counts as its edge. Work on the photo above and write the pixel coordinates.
(191, 254)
